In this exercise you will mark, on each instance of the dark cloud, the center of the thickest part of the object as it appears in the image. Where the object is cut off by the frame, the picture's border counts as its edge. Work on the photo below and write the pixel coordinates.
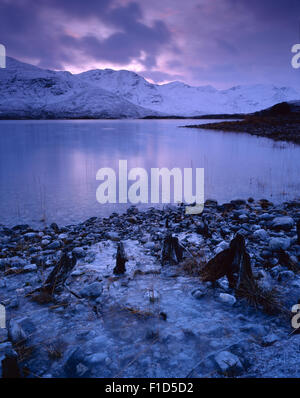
(198, 41)
(29, 29)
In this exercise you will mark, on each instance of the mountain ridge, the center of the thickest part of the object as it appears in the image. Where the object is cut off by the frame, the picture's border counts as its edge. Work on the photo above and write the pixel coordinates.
(28, 91)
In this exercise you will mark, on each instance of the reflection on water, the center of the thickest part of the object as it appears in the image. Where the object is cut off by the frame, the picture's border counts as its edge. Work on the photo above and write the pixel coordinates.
(48, 168)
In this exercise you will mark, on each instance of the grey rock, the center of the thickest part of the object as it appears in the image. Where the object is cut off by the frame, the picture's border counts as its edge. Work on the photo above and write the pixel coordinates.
(112, 236)
(93, 290)
(285, 223)
(45, 242)
(79, 252)
(265, 216)
(54, 245)
(261, 234)
(277, 243)
(228, 364)
(30, 268)
(269, 340)
(227, 299)
(30, 235)
(199, 293)
(149, 245)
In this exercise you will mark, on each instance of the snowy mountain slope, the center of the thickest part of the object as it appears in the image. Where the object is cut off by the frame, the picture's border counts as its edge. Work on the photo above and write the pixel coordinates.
(177, 98)
(28, 91)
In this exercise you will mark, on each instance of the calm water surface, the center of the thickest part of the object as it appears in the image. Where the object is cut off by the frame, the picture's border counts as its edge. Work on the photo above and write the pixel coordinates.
(48, 168)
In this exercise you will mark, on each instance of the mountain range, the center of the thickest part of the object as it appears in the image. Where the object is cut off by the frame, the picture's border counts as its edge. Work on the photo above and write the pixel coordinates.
(31, 92)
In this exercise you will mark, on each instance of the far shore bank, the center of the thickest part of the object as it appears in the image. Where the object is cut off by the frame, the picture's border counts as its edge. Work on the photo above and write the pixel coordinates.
(278, 129)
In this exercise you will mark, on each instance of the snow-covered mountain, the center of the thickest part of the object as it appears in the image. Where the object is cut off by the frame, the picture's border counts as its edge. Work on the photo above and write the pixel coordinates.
(177, 98)
(28, 91)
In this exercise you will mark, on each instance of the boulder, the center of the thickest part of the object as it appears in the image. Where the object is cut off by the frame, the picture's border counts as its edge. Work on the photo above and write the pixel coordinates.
(285, 223)
(277, 243)
(261, 234)
(93, 290)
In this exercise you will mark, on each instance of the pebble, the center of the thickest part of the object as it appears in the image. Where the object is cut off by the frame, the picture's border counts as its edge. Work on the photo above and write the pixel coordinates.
(228, 364)
(227, 299)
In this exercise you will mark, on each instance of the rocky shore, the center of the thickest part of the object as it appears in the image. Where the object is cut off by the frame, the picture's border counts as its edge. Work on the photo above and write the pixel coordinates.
(274, 128)
(157, 319)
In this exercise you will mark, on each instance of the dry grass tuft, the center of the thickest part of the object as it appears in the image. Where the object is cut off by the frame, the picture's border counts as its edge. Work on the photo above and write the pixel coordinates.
(194, 264)
(268, 300)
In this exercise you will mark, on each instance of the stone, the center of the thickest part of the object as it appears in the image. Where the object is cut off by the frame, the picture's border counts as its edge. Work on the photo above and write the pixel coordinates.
(285, 223)
(54, 245)
(79, 252)
(269, 339)
(228, 364)
(227, 298)
(261, 234)
(243, 217)
(30, 235)
(99, 357)
(114, 236)
(30, 268)
(45, 242)
(93, 290)
(199, 293)
(277, 243)
(265, 216)
(149, 245)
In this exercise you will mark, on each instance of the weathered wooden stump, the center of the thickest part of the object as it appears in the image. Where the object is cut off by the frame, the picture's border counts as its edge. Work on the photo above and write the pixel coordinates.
(172, 251)
(229, 263)
(203, 229)
(242, 262)
(56, 279)
(298, 232)
(120, 260)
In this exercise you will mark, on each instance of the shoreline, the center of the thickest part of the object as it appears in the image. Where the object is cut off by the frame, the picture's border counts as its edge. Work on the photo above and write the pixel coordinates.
(99, 322)
(273, 128)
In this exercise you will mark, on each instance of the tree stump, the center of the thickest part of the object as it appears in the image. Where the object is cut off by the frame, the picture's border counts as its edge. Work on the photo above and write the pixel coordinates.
(298, 232)
(55, 280)
(203, 229)
(120, 260)
(172, 251)
(228, 263)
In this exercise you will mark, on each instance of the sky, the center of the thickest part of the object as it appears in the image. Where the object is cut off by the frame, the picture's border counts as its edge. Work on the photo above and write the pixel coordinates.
(222, 43)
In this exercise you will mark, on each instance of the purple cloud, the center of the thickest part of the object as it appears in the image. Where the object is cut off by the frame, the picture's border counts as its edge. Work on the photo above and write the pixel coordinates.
(202, 42)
